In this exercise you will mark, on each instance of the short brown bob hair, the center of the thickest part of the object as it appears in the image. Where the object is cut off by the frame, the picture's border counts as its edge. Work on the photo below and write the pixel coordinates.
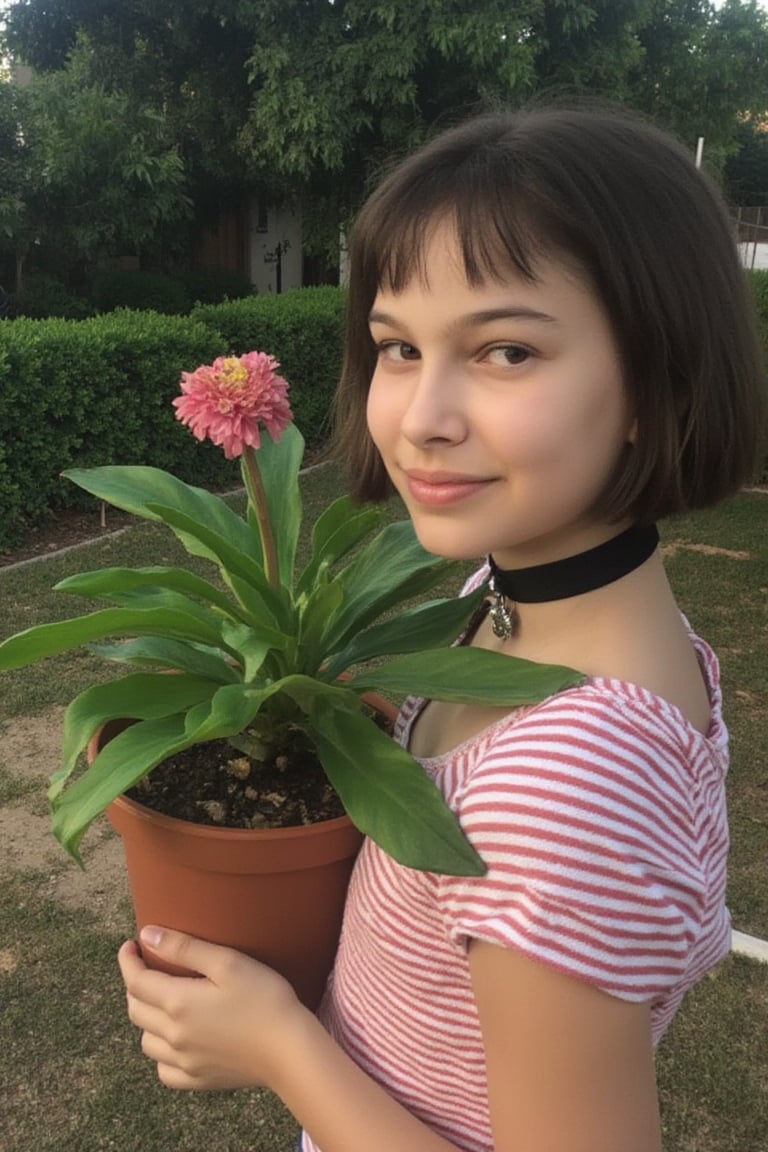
(623, 205)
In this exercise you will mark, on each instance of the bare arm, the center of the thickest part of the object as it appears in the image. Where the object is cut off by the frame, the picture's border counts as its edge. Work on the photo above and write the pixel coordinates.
(570, 1068)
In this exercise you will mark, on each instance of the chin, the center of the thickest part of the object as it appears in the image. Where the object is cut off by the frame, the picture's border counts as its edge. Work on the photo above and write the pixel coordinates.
(437, 544)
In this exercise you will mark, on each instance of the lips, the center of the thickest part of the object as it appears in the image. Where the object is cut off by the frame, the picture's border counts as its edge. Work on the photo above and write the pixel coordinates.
(439, 489)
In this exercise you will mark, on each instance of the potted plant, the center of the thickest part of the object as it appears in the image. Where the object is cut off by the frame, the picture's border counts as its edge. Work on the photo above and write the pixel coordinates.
(269, 662)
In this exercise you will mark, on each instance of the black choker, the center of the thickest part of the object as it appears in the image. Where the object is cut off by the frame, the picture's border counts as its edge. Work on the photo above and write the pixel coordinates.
(572, 576)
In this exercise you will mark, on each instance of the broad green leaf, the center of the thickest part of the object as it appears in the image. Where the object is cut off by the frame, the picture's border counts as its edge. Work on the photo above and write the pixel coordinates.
(231, 561)
(468, 676)
(414, 630)
(152, 596)
(318, 613)
(135, 488)
(139, 696)
(389, 569)
(387, 794)
(119, 765)
(279, 465)
(50, 639)
(252, 645)
(195, 659)
(106, 582)
(229, 711)
(338, 529)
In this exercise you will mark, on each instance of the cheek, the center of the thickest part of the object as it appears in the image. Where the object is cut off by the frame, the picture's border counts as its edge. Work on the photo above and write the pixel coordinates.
(581, 428)
(380, 413)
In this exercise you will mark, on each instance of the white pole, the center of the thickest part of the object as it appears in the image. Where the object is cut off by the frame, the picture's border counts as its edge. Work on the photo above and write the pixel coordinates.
(699, 151)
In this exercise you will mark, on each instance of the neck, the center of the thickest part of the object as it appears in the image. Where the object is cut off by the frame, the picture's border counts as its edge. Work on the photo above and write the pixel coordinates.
(564, 579)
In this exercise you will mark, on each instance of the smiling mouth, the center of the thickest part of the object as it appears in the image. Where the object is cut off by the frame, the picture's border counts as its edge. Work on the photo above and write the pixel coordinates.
(439, 489)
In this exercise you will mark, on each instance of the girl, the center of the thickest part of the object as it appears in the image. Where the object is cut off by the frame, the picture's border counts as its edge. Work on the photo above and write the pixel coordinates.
(549, 347)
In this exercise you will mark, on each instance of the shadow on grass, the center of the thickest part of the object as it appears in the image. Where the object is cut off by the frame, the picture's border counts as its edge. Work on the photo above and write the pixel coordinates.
(73, 1076)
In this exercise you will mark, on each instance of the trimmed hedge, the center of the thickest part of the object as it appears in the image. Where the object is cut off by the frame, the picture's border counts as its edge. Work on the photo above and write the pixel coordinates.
(99, 391)
(303, 329)
(93, 392)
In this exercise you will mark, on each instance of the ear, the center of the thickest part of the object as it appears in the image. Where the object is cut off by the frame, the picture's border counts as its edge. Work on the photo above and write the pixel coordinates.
(632, 433)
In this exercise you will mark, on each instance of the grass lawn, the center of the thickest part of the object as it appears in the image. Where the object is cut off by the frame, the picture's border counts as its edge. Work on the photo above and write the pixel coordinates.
(73, 1078)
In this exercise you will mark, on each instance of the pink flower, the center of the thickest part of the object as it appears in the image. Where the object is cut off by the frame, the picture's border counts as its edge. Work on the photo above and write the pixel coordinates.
(226, 401)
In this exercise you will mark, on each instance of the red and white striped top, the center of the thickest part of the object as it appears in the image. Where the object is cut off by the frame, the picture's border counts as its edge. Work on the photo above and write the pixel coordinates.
(601, 816)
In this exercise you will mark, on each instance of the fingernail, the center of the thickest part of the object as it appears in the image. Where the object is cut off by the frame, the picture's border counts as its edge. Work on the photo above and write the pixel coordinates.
(151, 937)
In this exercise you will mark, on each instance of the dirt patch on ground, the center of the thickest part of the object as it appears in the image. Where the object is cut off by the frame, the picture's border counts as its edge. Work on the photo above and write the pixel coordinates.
(704, 549)
(29, 751)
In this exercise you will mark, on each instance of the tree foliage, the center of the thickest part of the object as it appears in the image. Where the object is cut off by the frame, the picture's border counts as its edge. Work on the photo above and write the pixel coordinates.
(746, 171)
(87, 173)
(307, 98)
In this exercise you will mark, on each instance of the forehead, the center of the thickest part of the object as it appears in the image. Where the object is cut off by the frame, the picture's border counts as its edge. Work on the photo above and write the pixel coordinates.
(548, 284)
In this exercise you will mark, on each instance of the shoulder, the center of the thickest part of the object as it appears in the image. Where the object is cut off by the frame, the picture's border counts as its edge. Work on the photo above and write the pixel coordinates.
(610, 735)
(584, 813)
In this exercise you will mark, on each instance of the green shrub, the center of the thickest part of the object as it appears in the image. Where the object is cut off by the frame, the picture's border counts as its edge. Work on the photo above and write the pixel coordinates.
(99, 391)
(95, 392)
(142, 291)
(44, 296)
(303, 329)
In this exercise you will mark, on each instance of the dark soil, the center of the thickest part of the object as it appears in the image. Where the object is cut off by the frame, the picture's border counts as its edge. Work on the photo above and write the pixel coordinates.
(213, 783)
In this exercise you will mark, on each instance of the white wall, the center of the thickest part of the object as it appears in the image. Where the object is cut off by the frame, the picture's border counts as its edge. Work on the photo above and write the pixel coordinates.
(283, 228)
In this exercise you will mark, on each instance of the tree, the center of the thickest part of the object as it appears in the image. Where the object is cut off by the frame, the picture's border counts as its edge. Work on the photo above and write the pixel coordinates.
(307, 98)
(87, 174)
(702, 67)
(746, 171)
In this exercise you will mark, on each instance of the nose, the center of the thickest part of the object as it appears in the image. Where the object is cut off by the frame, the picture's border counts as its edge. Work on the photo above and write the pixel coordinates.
(434, 413)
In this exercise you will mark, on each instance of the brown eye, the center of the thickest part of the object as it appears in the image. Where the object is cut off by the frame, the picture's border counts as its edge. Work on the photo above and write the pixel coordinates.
(396, 351)
(509, 355)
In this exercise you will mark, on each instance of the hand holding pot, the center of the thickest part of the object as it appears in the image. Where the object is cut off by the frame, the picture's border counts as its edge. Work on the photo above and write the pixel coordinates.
(222, 1029)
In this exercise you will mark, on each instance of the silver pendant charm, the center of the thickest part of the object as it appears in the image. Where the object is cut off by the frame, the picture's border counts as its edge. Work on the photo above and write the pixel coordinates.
(504, 619)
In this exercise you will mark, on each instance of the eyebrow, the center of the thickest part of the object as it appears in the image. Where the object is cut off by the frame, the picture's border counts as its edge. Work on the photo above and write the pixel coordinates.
(474, 319)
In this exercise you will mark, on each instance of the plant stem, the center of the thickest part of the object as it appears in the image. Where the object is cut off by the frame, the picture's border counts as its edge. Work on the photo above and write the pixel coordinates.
(257, 496)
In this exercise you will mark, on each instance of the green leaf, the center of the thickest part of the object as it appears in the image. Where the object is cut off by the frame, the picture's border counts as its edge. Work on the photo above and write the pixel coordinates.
(468, 676)
(318, 613)
(279, 465)
(338, 529)
(253, 646)
(195, 659)
(387, 794)
(229, 711)
(50, 639)
(152, 596)
(413, 630)
(140, 696)
(136, 488)
(272, 606)
(139, 749)
(391, 568)
(123, 761)
(107, 582)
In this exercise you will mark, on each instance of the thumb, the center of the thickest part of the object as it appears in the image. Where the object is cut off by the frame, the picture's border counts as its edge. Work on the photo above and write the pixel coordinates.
(176, 952)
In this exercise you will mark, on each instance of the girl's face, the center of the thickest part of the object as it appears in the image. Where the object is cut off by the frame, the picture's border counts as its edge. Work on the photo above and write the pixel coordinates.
(499, 410)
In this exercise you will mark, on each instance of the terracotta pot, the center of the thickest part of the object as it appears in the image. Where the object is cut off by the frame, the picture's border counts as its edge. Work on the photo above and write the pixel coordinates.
(277, 894)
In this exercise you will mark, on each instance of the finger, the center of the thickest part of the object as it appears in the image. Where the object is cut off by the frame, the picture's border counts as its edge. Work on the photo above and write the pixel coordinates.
(186, 952)
(150, 1019)
(130, 962)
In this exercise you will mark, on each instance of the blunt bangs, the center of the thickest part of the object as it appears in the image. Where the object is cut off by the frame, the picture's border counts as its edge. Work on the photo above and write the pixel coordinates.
(496, 221)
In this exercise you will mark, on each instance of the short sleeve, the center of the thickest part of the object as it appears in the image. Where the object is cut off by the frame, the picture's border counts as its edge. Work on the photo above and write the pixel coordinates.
(582, 811)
